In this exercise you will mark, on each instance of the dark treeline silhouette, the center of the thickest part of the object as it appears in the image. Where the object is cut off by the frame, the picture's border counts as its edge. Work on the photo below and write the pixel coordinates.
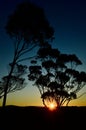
(37, 118)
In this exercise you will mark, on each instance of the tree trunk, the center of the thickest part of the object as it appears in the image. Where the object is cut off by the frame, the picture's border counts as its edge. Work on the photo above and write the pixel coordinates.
(7, 84)
(5, 97)
(5, 90)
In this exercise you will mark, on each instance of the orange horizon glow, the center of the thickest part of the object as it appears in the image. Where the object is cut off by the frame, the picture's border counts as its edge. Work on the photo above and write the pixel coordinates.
(31, 97)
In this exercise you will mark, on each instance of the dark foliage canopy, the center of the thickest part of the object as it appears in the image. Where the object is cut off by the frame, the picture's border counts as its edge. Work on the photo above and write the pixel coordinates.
(29, 23)
(56, 76)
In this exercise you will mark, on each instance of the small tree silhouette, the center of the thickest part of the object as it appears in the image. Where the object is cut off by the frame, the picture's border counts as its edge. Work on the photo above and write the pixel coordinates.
(17, 80)
(29, 28)
(56, 77)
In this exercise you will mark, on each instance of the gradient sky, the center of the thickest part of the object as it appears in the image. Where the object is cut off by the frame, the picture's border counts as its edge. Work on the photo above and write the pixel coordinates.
(68, 18)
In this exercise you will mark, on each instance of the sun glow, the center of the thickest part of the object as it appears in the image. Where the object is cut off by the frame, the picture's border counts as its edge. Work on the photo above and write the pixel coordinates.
(50, 103)
(52, 106)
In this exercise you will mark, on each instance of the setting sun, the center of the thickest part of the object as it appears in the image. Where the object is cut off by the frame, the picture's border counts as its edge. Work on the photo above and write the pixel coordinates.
(52, 105)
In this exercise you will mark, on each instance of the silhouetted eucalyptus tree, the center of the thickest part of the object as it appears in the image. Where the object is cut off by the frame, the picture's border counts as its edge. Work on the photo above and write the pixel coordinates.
(29, 28)
(56, 76)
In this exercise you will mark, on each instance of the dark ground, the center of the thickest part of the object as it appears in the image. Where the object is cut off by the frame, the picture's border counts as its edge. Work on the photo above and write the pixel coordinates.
(40, 118)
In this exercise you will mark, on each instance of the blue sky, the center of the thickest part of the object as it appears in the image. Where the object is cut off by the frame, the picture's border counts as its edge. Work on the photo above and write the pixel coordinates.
(68, 17)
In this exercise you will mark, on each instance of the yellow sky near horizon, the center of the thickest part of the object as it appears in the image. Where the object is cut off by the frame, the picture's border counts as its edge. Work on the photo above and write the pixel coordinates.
(30, 96)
